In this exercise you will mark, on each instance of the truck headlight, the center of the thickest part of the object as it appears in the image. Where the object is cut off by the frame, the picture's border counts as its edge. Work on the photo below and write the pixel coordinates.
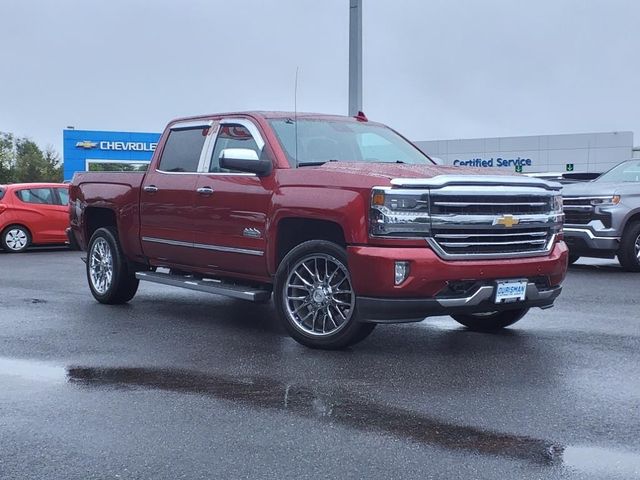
(604, 201)
(396, 212)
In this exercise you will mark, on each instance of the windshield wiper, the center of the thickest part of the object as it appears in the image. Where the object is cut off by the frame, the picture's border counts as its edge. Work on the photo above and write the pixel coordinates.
(315, 164)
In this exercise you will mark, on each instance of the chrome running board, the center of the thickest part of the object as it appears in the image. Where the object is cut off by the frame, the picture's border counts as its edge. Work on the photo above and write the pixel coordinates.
(216, 287)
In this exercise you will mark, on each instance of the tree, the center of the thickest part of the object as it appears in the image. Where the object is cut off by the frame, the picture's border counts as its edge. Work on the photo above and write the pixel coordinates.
(53, 170)
(7, 157)
(21, 160)
(30, 163)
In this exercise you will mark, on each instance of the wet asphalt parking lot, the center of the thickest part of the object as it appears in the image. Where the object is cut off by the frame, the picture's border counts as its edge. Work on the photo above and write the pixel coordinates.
(179, 384)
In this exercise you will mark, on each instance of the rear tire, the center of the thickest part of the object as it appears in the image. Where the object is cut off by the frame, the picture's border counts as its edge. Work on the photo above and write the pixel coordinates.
(629, 251)
(15, 239)
(314, 297)
(573, 259)
(108, 275)
(492, 322)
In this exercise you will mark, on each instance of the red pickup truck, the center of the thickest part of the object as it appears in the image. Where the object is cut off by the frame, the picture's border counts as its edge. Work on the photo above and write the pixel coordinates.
(342, 221)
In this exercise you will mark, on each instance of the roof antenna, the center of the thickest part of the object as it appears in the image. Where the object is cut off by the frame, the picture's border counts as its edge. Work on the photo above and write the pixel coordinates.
(295, 113)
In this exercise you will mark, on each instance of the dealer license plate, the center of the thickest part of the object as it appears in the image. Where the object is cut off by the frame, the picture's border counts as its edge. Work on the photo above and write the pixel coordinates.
(511, 291)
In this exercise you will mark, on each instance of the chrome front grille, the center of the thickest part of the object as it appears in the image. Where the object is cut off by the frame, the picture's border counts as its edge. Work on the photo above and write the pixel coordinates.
(503, 223)
(499, 241)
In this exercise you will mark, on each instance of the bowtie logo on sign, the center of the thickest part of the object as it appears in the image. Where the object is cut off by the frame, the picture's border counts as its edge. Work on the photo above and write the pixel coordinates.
(86, 144)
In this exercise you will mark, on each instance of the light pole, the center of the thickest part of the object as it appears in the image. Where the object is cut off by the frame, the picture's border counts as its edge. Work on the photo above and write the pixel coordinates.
(355, 57)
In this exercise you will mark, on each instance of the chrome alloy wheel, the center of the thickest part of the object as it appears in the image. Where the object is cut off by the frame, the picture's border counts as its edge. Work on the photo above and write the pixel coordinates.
(637, 248)
(101, 266)
(318, 296)
(16, 239)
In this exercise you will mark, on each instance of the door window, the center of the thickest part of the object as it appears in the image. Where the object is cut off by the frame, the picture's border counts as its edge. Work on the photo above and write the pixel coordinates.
(231, 135)
(63, 196)
(182, 150)
(42, 196)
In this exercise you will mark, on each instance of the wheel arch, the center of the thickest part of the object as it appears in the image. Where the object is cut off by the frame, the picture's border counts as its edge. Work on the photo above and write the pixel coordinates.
(98, 217)
(633, 216)
(292, 231)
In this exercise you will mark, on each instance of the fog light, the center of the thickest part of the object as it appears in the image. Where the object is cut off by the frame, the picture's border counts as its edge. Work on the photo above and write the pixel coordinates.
(402, 272)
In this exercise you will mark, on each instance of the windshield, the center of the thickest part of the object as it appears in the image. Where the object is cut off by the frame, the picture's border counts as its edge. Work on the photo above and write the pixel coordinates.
(321, 141)
(625, 172)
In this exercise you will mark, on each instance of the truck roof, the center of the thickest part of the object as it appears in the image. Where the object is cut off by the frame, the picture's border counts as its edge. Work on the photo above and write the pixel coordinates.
(267, 115)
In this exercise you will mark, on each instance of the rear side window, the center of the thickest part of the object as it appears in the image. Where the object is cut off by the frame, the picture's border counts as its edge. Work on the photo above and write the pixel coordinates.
(1, 193)
(63, 196)
(182, 151)
(43, 196)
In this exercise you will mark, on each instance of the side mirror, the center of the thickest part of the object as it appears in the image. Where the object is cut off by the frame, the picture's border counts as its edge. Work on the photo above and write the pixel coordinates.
(244, 160)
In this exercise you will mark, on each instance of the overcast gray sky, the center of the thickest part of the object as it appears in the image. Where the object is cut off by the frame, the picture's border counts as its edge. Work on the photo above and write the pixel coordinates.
(434, 69)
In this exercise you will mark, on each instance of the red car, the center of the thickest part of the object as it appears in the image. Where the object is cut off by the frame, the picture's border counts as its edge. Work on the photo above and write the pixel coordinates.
(33, 213)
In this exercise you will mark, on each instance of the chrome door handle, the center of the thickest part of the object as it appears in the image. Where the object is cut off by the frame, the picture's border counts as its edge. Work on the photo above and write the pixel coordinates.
(205, 190)
(150, 189)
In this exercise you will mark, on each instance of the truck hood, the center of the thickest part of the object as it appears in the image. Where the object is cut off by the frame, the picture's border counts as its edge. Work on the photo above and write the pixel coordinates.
(596, 189)
(431, 176)
(402, 170)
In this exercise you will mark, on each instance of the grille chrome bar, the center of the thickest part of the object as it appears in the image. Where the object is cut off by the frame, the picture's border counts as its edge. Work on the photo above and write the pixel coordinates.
(496, 244)
(498, 204)
(469, 235)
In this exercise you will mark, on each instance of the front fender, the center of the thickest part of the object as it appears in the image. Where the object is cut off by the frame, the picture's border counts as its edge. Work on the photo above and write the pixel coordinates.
(347, 208)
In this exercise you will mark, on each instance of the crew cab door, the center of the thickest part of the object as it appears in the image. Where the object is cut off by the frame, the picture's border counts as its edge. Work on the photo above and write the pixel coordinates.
(167, 196)
(231, 207)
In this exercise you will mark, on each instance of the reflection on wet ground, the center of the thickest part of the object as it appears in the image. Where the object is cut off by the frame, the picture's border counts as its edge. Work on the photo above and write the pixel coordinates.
(602, 461)
(340, 408)
(32, 370)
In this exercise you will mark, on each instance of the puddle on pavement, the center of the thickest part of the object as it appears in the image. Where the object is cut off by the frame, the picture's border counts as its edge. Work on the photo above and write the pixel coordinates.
(32, 370)
(602, 461)
(339, 408)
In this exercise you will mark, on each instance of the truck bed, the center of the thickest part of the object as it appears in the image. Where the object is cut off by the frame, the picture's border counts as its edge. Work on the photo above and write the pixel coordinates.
(117, 192)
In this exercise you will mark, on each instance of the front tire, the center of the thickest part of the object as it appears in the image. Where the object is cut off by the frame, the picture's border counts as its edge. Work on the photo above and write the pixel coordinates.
(15, 239)
(108, 275)
(629, 251)
(490, 322)
(314, 297)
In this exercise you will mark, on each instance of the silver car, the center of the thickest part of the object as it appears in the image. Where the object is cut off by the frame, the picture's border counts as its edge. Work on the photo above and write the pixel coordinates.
(602, 217)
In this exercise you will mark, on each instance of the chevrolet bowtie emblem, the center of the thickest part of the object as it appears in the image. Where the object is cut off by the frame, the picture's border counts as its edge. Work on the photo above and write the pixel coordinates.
(506, 221)
(86, 144)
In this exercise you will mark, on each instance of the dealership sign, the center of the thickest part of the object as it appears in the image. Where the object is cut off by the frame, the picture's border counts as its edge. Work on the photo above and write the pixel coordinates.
(494, 162)
(122, 146)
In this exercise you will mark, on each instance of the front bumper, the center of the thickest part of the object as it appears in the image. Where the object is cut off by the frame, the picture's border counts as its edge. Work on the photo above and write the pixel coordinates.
(436, 286)
(393, 310)
(588, 238)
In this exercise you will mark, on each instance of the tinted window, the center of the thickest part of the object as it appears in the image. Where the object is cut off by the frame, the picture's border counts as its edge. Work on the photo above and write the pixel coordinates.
(63, 193)
(1, 193)
(231, 136)
(182, 151)
(42, 196)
